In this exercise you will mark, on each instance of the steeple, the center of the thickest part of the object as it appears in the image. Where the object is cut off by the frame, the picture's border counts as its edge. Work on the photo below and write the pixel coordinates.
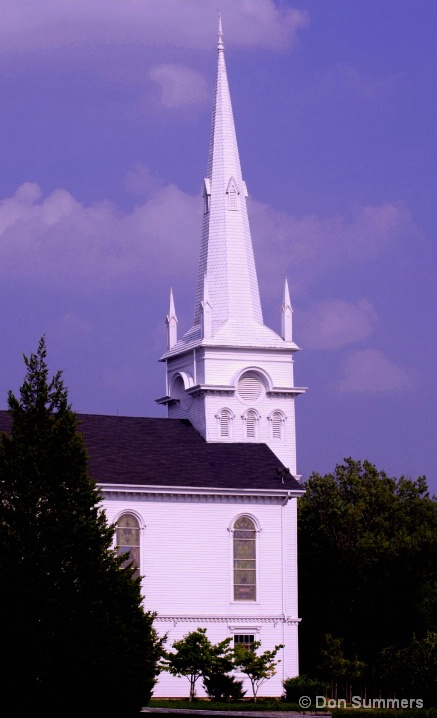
(226, 254)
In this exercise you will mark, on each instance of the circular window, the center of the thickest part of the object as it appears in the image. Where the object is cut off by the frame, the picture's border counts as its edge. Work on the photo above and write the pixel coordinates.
(250, 388)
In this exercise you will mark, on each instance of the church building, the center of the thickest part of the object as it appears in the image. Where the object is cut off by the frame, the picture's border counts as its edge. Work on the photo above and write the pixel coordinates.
(205, 500)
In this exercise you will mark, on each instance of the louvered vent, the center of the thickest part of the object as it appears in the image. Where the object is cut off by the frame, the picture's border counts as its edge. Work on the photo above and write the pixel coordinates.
(250, 387)
(224, 423)
(250, 424)
(277, 426)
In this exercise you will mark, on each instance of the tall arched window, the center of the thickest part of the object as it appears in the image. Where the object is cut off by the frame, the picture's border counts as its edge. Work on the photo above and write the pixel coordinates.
(244, 559)
(128, 540)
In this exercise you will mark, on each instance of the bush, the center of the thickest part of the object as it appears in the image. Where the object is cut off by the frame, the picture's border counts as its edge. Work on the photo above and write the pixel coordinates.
(221, 687)
(303, 685)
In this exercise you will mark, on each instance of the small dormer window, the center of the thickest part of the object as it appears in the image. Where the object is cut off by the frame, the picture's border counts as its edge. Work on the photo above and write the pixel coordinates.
(232, 193)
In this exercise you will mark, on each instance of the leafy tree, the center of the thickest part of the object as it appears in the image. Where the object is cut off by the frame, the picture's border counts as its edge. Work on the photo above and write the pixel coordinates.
(337, 669)
(367, 562)
(73, 627)
(194, 656)
(257, 667)
(411, 670)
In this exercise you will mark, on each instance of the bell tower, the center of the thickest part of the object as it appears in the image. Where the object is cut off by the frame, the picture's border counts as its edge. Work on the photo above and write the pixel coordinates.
(231, 375)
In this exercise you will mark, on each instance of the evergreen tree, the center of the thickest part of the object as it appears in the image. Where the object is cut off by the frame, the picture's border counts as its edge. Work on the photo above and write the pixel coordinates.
(75, 634)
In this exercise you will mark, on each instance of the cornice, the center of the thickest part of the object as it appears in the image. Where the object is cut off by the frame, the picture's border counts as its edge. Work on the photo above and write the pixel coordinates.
(233, 622)
(181, 495)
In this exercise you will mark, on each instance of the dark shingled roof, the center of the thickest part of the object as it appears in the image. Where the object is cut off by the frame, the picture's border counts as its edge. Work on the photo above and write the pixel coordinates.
(170, 452)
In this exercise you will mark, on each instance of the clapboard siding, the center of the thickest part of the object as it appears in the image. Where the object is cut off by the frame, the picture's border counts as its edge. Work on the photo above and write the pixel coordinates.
(193, 576)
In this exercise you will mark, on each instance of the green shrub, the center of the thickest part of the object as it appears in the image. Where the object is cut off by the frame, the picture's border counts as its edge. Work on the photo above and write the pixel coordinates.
(221, 687)
(303, 685)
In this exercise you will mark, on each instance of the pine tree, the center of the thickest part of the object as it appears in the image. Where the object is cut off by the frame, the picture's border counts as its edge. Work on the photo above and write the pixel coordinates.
(75, 634)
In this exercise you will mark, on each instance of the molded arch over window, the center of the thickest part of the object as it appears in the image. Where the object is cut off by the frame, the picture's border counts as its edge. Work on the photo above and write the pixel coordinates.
(277, 425)
(225, 418)
(127, 540)
(251, 419)
(244, 558)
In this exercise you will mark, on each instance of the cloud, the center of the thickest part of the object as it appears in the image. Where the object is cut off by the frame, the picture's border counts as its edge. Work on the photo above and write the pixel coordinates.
(58, 239)
(349, 79)
(139, 180)
(30, 25)
(336, 323)
(314, 245)
(369, 371)
(180, 86)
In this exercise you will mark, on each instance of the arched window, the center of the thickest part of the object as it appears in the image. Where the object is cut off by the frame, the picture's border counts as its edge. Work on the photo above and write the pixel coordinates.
(244, 559)
(224, 419)
(277, 420)
(250, 419)
(128, 540)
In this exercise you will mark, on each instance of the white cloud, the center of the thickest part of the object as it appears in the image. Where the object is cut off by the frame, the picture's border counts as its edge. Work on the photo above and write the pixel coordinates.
(180, 86)
(59, 239)
(333, 324)
(370, 371)
(140, 180)
(35, 24)
(310, 246)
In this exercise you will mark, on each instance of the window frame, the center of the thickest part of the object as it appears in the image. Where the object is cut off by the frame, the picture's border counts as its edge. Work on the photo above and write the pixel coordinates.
(139, 528)
(257, 529)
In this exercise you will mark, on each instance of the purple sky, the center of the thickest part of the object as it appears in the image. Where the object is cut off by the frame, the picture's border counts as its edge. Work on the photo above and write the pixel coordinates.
(105, 114)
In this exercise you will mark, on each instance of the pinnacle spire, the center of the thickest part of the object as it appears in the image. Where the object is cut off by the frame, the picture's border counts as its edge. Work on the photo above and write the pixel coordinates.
(286, 315)
(226, 250)
(172, 323)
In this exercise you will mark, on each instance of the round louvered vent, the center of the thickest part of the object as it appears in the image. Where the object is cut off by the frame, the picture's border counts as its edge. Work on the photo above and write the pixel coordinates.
(250, 387)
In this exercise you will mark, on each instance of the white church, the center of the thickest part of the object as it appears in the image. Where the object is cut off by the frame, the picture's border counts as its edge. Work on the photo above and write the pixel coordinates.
(206, 499)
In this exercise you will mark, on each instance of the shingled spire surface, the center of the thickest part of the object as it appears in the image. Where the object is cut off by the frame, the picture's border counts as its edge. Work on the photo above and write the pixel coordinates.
(226, 254)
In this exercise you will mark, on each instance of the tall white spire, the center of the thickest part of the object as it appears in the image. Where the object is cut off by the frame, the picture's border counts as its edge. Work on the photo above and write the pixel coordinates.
(226, 250)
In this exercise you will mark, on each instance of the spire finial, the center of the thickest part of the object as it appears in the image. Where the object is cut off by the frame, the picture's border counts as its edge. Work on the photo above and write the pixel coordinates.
(220, 45)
